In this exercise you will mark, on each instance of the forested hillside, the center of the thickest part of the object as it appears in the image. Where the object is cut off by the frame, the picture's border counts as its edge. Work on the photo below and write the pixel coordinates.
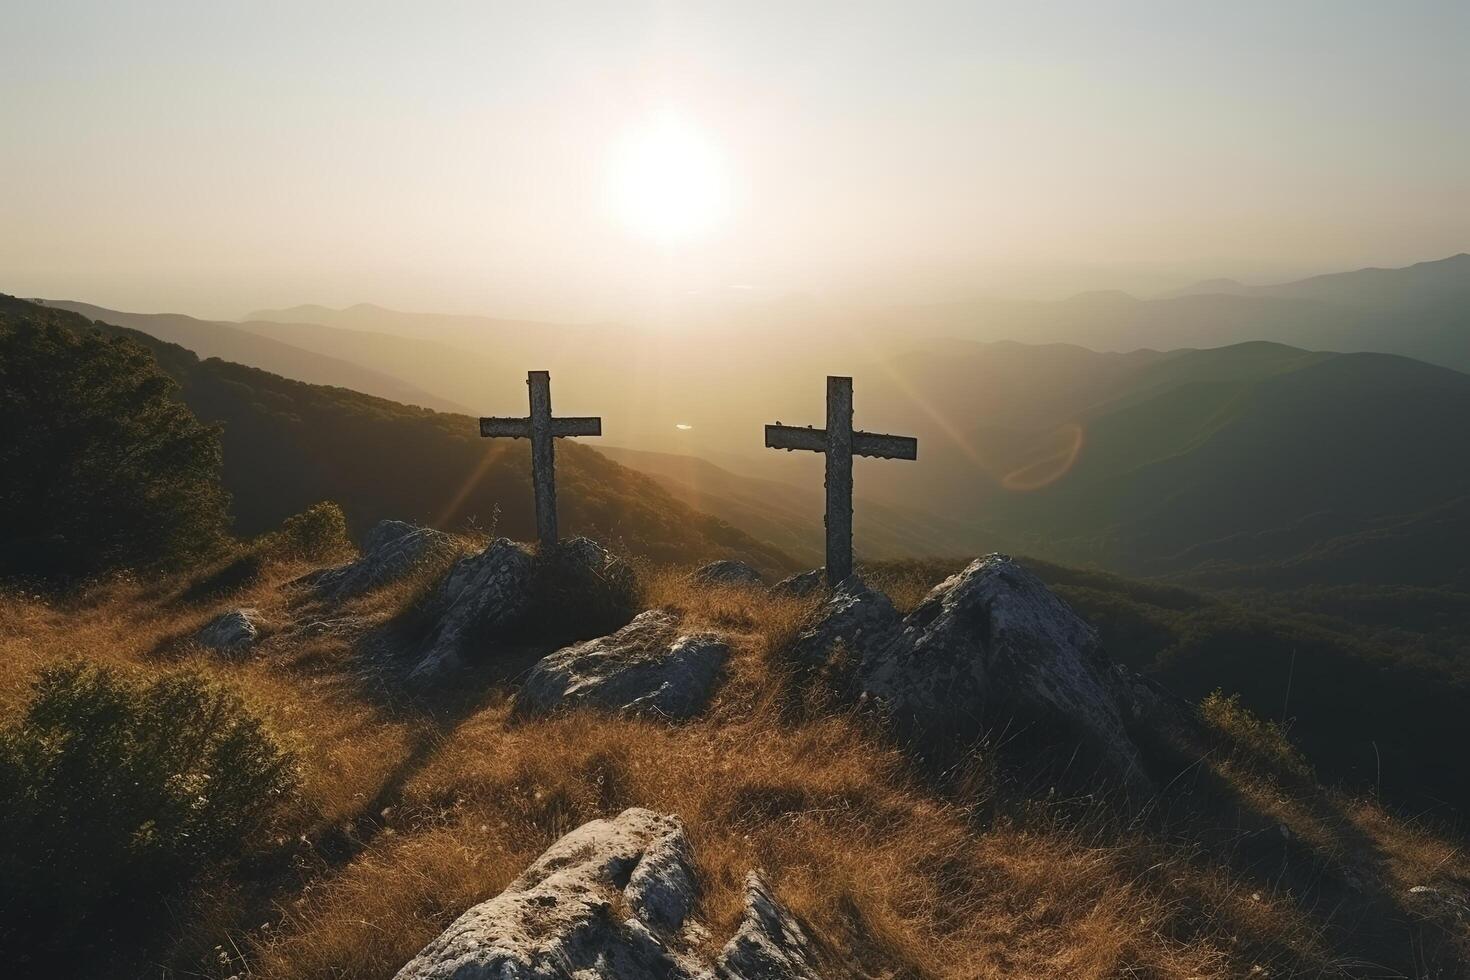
(288, 445)
(1219, 460)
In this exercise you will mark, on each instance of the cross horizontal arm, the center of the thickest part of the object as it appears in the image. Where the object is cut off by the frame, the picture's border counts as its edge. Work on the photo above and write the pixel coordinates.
(576, 425)
(884, 446)
(515, 428)
(796, 437)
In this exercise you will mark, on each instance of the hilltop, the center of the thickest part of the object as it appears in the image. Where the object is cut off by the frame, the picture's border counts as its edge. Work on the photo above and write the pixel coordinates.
(415, 803)
(317, 756)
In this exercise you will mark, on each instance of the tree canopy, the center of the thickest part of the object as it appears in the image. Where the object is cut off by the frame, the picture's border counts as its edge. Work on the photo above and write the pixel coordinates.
(101, 466)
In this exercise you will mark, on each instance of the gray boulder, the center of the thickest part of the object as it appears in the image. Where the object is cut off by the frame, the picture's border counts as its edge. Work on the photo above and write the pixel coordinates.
(647, 667)
(727, 572)
(800, 584)
(390, 551)
(232, 632)
(479, 595)
(613, 899)
(989, 645)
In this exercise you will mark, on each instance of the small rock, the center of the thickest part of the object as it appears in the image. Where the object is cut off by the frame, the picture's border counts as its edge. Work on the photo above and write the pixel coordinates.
(646, 667)
(232, 632)
(727, 572)
(390, 551)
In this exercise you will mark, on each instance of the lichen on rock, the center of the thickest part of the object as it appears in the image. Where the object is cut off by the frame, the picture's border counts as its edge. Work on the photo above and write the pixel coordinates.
(647, 667)
(614, 899)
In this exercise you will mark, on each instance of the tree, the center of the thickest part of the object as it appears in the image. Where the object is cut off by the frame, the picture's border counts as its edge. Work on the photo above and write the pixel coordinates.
(101, 466)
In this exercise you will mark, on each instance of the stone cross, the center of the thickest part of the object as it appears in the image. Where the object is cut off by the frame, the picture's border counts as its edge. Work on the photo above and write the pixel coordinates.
(542, 430)
(841, 444)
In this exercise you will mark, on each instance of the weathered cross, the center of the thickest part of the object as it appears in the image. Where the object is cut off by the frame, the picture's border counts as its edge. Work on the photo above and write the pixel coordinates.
(841, 444)
(542, 430)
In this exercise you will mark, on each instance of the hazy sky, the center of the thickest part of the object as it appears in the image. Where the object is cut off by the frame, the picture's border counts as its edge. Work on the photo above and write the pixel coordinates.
(570, 159)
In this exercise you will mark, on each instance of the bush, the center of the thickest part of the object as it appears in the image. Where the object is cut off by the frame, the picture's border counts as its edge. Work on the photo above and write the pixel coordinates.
(318, 533)
(101, 467)
(576, 594)
(114, 794)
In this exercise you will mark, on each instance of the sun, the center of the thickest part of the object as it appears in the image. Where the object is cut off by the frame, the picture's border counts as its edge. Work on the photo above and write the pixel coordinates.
(667, 181)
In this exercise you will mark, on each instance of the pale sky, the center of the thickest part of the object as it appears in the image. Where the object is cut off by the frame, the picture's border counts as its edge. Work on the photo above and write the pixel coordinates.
(566, 160)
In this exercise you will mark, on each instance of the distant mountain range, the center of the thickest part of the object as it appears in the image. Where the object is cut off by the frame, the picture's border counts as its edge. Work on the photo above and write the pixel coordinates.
(1165, 463)
(1229, 465)
(304, 355)
(1420, 311)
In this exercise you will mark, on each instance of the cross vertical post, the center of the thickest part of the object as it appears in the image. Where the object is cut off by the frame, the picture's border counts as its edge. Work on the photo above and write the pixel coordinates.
(543, 429)
(543, 457)
(839, 479)
(840, 442)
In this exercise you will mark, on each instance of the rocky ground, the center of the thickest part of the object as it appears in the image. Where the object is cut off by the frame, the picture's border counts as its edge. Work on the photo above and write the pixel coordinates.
(558, 765)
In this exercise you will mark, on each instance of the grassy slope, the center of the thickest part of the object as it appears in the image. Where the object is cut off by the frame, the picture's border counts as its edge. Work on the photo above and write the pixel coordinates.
(414, 810)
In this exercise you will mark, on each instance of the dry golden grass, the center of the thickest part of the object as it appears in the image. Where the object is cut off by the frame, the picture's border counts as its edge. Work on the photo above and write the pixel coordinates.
(410, 812)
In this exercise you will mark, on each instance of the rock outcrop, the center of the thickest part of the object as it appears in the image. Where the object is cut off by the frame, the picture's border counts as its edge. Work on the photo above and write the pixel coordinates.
(769, 944)
(613, 899)
(486, 597)
(480, 594)
(727, 572)
(987, 646)
(390, 551)
(232, 632)
(647, 667)
(855, 619)
(800, 584)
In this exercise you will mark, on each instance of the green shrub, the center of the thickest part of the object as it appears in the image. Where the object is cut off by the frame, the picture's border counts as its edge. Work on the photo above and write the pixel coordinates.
(115, 793)
(101, 466)
(574, 598)
(1262, 742)
(318, 533)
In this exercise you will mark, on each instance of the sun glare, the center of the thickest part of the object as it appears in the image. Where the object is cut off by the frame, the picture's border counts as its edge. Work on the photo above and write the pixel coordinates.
(668, 182)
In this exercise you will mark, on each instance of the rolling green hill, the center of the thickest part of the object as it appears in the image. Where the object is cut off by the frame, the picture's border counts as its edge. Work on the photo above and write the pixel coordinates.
(1165, 463)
